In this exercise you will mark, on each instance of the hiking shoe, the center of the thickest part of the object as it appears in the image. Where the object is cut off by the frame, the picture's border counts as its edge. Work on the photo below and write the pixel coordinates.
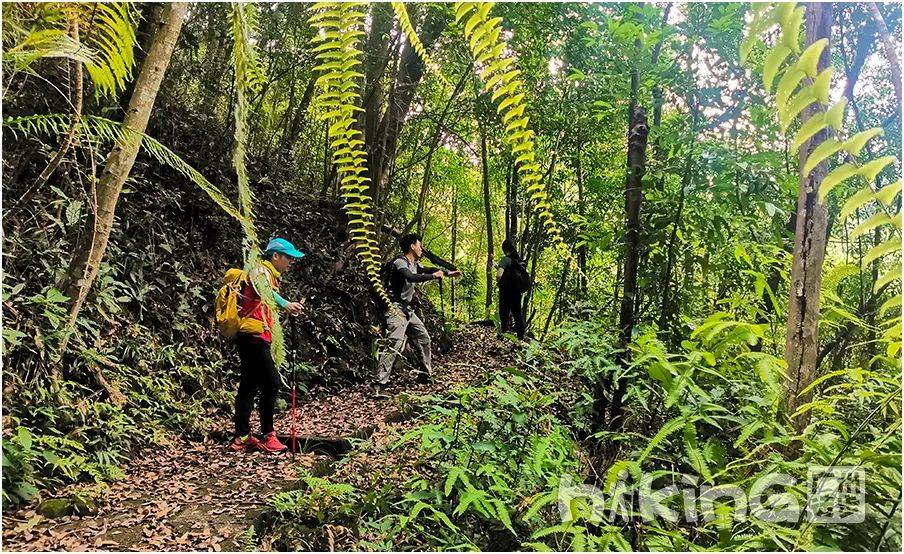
(249, 444)
(425, 378)
(271, 443)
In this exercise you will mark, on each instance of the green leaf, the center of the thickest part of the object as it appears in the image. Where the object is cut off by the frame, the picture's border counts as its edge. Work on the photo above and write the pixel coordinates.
(667, 429)
(836, 177)
(858, 199)
(812, 126)
(809, 60)
(826, 149)
(887, 194)
(23, 436)
(821, 86)
(876, 252)
(773, 63)
(890, 304)
(870, 169)
(893, 275)
(856, 143)
(869, 224)
(791, 29)
(789, 112)
(835, 114)
(787, 85)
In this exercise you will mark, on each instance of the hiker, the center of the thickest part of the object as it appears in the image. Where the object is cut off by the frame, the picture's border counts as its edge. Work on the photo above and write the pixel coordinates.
(253, 341)
(513, 281)
(399, 277)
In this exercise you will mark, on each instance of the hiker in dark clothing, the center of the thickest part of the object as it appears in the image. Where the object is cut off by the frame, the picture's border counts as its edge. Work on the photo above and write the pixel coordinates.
(258, 371)
(513, 281)
(399, 280)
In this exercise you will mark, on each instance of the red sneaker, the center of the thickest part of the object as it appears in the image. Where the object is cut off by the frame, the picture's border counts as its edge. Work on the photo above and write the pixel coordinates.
(250, 444)
(271, 443)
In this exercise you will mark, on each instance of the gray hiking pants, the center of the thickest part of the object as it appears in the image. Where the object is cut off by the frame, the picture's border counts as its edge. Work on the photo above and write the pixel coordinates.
(399, 328)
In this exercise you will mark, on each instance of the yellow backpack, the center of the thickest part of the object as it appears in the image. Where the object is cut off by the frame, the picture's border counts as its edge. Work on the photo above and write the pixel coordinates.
(227, 303)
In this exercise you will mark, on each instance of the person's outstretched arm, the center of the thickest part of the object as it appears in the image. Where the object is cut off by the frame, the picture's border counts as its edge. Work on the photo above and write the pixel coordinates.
(418, 277)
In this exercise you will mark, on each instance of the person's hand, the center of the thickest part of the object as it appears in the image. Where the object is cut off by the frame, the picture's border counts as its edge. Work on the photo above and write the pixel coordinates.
(455, 273)
(295, 308)
(438, 275)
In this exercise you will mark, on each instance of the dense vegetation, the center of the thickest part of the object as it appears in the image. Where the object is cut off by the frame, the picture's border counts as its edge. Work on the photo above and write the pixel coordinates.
(707, 197)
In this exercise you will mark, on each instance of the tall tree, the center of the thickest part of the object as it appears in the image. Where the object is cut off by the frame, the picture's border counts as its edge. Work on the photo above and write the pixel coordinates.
(638, 132)
(488, 212)
(802, 342)
(891, 53)
(88, 255)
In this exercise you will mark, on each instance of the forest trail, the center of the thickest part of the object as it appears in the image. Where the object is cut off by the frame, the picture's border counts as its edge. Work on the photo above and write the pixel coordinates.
(197, 495)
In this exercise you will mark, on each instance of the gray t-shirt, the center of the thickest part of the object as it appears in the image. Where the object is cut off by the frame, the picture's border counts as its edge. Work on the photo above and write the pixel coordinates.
(412, 272)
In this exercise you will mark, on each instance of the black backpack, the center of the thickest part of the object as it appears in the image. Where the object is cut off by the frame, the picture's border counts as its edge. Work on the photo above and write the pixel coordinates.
(517, 276)
(390, 279)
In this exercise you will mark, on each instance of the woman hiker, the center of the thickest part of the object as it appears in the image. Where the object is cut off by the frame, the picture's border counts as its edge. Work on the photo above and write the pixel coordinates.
(258, 372)
(513, 282)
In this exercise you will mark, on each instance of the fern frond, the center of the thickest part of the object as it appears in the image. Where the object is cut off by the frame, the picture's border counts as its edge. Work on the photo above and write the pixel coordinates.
(34, 31)
(102, 130)
(415, 41)
(248, 76)
(337, 33)
(501, 79)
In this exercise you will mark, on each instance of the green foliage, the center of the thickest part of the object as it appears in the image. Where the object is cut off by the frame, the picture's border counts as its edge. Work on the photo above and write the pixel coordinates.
(338, 26)
(32, 32)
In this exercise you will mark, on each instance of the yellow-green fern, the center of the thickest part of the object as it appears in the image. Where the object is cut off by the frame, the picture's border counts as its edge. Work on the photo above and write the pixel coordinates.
(798, 84)
(405, 21)
(100, 130)
(247, 77)
(502, 79)
(338, 28)
(34, 30)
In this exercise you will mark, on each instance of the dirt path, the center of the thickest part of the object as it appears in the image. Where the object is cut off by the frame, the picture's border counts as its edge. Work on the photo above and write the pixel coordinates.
(196, 495)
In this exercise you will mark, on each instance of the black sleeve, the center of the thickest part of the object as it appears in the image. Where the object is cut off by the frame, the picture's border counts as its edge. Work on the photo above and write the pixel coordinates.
(421, 269)
(418, 277)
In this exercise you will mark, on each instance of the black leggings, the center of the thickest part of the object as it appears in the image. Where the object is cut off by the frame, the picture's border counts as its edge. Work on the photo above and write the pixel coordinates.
(510, 308)
(258, 373)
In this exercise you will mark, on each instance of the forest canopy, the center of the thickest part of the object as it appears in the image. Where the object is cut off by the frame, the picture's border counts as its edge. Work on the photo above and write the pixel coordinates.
(706, 198)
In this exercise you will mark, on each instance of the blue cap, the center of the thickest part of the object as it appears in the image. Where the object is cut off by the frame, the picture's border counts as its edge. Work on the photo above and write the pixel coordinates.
(284, 247)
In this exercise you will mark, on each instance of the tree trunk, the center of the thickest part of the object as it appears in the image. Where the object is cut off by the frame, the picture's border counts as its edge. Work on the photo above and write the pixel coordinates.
(637, 152)
(669, 307)
(454, 243)
(409, 75)
(638, 132)
(77, 94)
(582, 249)
(802, 343)
(488, 212)
(425, 184)
(86, 263)
(891, 54)
(377, 61)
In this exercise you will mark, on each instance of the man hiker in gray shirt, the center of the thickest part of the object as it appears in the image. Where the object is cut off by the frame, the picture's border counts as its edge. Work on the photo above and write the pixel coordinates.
(399, 278)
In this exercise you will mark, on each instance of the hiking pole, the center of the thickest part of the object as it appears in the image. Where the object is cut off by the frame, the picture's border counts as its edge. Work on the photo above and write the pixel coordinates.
(294, 335)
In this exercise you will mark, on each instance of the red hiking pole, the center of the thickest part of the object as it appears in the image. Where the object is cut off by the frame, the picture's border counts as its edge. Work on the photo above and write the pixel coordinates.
(294, 444)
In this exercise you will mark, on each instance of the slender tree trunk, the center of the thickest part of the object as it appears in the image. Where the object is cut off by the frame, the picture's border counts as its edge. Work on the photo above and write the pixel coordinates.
(86, 263)
(488, 212)
(891, 53)
(377, 60)
(516, 208)
(582, 249)
(437, 133)
(454, 244)
(802, 343)
(669, 307)
(409, 75)
(638, 132)
(69, 138)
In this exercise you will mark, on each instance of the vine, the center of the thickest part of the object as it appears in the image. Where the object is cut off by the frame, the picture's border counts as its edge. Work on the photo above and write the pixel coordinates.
(800, 85)
(337, 28)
